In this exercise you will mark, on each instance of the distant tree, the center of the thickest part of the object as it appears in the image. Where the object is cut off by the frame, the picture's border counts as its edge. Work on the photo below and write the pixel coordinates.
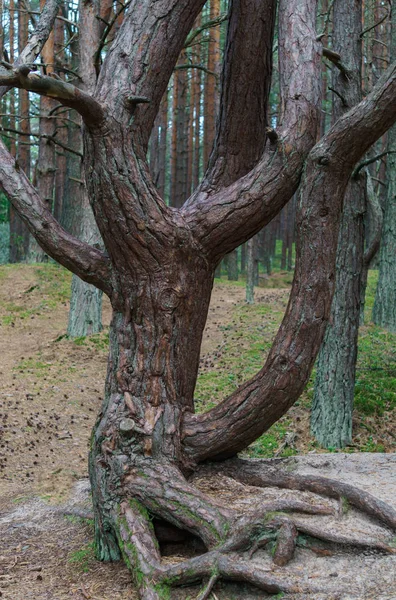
(332, 407)
(45, 168)
(19, 234)
(85, 314)
(384, 312)
(159, 266)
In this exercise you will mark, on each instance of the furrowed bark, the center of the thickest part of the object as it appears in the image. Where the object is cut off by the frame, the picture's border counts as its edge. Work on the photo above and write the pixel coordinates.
(223, 220)
(332, 406)
(88, 263)
(384, 311)
(134, 69)
(251, 410)
(245, 84)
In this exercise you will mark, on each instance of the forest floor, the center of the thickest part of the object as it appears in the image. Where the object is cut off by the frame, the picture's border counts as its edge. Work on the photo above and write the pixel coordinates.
(50, 392)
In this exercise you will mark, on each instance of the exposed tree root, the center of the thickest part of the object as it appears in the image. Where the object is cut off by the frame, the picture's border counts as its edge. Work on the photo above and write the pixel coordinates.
(140, 552)
(286, 543)
(164, 491)
(161, 491)
(261, 475)
(331, 536)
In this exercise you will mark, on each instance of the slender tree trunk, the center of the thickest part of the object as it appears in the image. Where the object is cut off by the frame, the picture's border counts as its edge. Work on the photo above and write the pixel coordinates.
(62, 131)
(197, 96)
(162, 145)
(250, 275)
(232, 266)
(19, 234)
(284, 234)
(12, 92)
(154, 151)
(85, 314)
(174, 149)
(45, 168)
(211, 89)
(373, 238)
(384, 312)
(331, 420)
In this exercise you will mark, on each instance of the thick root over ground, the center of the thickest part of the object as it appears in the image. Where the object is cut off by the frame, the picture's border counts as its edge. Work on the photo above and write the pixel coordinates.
(230, 539)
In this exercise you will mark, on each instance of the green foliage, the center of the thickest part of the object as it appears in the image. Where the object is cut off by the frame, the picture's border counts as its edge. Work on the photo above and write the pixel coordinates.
(245, 345)
(163, 591)
(76, 520)
(375, 392)
(268, 444)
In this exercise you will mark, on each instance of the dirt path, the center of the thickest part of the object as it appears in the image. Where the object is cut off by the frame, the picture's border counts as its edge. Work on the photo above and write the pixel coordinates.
(51, 387)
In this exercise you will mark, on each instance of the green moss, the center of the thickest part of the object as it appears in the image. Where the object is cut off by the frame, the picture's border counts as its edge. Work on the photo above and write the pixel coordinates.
(80, 521)
(83, 557)
(163, 591)
(272, 514)
(345, 505)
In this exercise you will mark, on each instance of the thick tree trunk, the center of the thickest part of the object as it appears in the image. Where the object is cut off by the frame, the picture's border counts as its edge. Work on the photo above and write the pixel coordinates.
(155, 339)
(331, 419)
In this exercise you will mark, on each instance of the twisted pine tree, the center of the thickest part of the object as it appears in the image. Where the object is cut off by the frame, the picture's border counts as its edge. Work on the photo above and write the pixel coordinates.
(158, 271)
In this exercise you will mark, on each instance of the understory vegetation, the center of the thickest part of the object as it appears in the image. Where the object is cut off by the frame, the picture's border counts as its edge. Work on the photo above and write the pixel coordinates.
(242, 341)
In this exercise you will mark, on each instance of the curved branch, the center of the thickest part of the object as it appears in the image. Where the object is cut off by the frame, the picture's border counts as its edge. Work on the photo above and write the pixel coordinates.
(87, 262)
(370, 160)
(222, 219)
(67, 94)
(260, 402)
(207, 25)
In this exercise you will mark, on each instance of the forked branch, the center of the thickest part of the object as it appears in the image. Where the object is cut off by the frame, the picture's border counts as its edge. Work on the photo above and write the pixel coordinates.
(224, 217)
